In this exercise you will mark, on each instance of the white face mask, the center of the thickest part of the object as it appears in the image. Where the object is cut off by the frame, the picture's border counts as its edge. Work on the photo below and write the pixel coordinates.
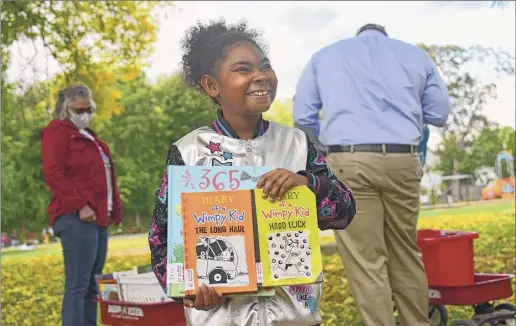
(82, 120)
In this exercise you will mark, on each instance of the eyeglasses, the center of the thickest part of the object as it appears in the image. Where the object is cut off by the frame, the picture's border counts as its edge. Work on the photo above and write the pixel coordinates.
(82, 110)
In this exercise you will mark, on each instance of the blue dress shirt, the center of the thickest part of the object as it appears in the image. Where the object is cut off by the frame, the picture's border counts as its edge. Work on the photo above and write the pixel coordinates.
(373, 90)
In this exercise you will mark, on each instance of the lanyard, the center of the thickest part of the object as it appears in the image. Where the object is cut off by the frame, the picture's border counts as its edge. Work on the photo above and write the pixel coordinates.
(105, 158)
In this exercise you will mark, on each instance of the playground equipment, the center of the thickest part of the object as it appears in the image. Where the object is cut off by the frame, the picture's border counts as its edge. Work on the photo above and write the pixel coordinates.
(448, 257)
(502, 186)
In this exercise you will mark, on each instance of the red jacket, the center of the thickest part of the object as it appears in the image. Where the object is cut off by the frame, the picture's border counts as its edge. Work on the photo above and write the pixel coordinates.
(75, 173)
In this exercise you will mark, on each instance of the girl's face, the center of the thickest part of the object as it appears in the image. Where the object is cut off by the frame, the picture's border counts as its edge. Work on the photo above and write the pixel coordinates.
(245, 83)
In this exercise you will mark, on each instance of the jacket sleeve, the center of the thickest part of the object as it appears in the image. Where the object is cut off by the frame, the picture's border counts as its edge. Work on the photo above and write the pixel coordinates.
(54, 153)
(158, 228)
(336, 205)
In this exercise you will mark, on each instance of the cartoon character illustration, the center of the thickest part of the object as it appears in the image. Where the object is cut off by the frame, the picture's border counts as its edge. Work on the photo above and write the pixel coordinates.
(178, 252)
(289, 254)
(292, 250)
(217, 260)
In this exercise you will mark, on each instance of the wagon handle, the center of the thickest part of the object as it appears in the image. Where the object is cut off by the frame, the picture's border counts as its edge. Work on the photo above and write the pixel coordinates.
(451, 235)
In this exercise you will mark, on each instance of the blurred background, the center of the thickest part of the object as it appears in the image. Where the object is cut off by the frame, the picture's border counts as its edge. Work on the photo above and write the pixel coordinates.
(128, 53)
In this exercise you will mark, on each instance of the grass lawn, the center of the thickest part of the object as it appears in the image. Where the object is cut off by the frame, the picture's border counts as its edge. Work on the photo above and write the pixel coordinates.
(118, 245)
(32, 281)
(137, 244)
(488, 207)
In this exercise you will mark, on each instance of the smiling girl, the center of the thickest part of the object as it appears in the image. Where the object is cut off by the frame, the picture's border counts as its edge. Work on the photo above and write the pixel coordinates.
(229, 65)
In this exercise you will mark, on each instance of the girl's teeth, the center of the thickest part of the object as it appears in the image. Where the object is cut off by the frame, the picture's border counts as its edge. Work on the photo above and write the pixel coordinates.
(259, 93)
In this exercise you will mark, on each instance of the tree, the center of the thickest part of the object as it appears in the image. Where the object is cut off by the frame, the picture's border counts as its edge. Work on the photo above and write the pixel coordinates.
(468, 96)
(102, 44)
(24, 195)
(139, 138)
(508, 139)
(154, 116)
(93, 41)
(483, 150)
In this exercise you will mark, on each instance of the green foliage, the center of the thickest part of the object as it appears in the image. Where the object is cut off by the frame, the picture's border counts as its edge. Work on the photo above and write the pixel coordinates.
(487, 145)
(102, 44)
(468, 97)
(24, 197)
(482, 152)
(154, 117)
(92, 41)
(508, 139)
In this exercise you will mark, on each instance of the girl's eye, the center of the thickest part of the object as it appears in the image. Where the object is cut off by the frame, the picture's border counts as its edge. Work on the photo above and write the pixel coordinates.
(267, 66)
(242, 69)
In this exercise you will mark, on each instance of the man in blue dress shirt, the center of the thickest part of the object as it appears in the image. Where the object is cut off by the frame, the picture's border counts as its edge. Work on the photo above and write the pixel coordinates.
(377, 95)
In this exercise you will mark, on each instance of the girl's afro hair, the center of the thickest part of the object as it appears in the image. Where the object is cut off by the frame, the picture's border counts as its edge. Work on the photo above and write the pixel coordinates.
(205, 44)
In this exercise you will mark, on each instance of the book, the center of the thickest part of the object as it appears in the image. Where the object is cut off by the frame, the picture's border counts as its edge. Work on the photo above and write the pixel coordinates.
(217, 251)
(288, 238)
(197, 179)
(238, 241)
(141, 288)
(108, 287)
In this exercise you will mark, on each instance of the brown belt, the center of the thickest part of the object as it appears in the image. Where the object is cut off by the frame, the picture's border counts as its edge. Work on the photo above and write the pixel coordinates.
(373, 148)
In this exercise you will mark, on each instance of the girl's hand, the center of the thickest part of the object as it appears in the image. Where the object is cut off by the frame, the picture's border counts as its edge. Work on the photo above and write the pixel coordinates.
(277, 182)
(206, 298)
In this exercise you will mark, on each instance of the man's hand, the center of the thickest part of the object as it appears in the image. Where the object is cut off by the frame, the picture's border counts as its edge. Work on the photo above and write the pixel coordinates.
(87, 214)
(206, 298)
(277, 182)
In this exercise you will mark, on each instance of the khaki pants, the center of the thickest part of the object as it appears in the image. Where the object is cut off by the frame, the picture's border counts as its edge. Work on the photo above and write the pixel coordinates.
(378, 249)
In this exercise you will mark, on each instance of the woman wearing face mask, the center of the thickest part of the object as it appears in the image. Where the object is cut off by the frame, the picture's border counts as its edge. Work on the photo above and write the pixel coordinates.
(79, 171)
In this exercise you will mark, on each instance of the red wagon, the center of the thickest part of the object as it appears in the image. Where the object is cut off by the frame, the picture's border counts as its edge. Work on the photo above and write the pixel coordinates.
(120, 313)
(448, 257)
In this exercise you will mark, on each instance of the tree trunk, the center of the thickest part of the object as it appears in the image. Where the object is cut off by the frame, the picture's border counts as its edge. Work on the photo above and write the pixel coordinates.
(138, 220)
(456, 183)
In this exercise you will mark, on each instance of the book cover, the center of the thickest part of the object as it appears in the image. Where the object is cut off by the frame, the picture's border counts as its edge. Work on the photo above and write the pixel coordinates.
(197, 179)
(108, 290)
(219, 241)
(288, 236)
(107, 287)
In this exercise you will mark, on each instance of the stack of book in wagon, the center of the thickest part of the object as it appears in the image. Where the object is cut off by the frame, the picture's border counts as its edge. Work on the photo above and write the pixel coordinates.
(138, 285)
(223, 233)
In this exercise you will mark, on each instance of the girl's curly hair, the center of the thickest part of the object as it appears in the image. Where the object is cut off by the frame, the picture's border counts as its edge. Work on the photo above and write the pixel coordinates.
(205, 44)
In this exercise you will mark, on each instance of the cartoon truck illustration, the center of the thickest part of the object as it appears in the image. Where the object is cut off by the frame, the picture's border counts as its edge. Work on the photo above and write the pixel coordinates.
(216, 260)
